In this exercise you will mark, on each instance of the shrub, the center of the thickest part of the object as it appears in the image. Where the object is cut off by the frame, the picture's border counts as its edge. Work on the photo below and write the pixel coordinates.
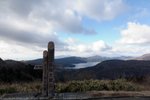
(72, 86)
(98, 85)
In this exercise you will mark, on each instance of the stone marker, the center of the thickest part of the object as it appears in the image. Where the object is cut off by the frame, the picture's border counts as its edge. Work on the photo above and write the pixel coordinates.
(48, 81)
(51, 85)
(45, 74)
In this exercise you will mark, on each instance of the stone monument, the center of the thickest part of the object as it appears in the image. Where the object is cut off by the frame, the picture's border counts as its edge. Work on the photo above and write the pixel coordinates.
(48, 81)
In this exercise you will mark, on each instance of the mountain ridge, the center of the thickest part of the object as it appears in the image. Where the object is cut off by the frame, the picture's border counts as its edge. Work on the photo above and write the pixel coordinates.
(70, 61)
(143, 57)
(15, 71)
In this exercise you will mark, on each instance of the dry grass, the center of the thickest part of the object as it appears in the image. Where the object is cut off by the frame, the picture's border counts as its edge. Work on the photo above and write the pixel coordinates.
(98, 85)
(74, 86)
(20, 87)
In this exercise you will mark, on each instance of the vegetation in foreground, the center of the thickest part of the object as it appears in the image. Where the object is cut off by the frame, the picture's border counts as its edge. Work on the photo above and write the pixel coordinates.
(97, 85)
(73, 86)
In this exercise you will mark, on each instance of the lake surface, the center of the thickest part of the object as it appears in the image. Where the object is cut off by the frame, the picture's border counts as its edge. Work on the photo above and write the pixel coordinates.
(84, 65)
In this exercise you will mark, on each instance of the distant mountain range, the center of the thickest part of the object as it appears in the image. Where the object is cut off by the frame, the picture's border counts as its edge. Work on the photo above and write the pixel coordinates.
(71, 61)
(14, 71)
(143, 57)
(61, 62)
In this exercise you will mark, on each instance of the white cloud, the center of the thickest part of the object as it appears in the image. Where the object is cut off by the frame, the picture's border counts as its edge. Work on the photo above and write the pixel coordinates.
(51, 15)
(31, 24)
(134, 40)
(38, 20)
(129, 50)
(100, 9)
(13, 51)
(86, 49)
(99, 46)
(71, 40)
(135, 33)
(18, 26)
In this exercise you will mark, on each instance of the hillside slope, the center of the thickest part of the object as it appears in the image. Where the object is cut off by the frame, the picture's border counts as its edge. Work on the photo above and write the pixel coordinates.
(111, 69)
(14, 71)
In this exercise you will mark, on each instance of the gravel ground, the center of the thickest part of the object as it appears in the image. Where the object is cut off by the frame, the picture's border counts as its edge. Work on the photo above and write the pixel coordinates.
(102, 95)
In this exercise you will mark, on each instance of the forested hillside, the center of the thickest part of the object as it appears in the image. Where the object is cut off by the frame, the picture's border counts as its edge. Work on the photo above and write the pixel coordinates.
(12, 71)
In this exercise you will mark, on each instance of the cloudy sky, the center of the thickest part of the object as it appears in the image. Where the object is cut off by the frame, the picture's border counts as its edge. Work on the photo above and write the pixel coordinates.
(78, 27)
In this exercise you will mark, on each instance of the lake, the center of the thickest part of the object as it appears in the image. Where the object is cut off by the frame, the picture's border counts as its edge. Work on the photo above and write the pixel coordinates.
(84, 65)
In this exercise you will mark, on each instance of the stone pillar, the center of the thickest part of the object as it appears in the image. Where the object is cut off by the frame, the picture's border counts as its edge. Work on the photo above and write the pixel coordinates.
(51, 81)
(45, 74)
